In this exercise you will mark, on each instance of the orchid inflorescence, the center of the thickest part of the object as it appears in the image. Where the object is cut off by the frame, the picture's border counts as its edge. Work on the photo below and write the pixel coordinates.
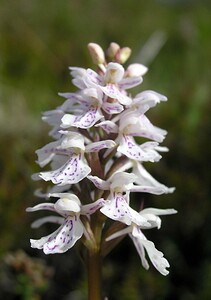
(97, 161)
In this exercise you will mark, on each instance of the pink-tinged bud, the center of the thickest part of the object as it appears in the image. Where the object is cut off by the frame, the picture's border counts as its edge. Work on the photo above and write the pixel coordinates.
(112, 50)
(96, 53)
(136, 70)
(124, 54)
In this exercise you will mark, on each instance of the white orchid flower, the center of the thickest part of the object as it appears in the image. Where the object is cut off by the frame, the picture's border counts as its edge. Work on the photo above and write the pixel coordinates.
(71, 229)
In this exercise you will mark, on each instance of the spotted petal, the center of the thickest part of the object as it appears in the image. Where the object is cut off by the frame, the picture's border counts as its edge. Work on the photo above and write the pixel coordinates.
(91, 208)
(53, 118)
(73, 171)
(99, 183)
(92, 76)
(145, 152)
(97, 146)
(46, 154)
(41, 206)
(78, 74)
(156, 190)
(108, 126)
(113, 92)
(147, 99)
(62, 239)
(130, 82)
(118, 209)
(86, 120)
(112, 108)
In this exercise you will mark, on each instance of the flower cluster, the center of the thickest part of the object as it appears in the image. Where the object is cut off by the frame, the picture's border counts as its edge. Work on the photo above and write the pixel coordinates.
(102, 137)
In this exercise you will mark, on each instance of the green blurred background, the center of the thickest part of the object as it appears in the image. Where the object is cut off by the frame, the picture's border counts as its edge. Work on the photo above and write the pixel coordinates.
(38, 41)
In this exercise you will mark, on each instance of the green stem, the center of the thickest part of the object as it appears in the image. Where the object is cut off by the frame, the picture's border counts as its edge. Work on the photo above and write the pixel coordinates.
(94, 275)
(94, 262)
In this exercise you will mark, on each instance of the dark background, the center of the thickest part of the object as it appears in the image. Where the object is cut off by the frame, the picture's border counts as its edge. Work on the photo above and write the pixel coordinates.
(38, 41)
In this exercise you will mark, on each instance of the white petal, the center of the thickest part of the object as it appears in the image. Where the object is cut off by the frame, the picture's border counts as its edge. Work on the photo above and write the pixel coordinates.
(83, 121)
(114, 73)
(53, 189)
(66, 237)
(38, 244)
(112, 108)
(145, 152)
(151, 215)
(122, 181)
(118, 209)
(149, 98)
(73, 171)
(46, 153)
(35, 176)
(141, 126)
(65, 204)
(69, 196)
(77, 71)
(155, 221)
(97, 146)
(146, 179)
(136, 70)
(62, 239)
(73, 97)
(91, 208)
(108, 126)
(78, 74)
(119, 233)
(93, 95)
(158, 212)
(53, 117)
(79, 83)
(150, 131)
(140, 249)
(148, 189)
(92, 76)
(113, 92)
(129, 82)
(99, 183)
(162, 149)
(156, 257)
(63, 146)
(41, 206)
(72, 140)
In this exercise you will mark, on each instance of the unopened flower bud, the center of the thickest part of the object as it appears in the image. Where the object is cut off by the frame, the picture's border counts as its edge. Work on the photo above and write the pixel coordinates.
(112, 50)
(96, 53)
(124, 54)
(136, 70)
